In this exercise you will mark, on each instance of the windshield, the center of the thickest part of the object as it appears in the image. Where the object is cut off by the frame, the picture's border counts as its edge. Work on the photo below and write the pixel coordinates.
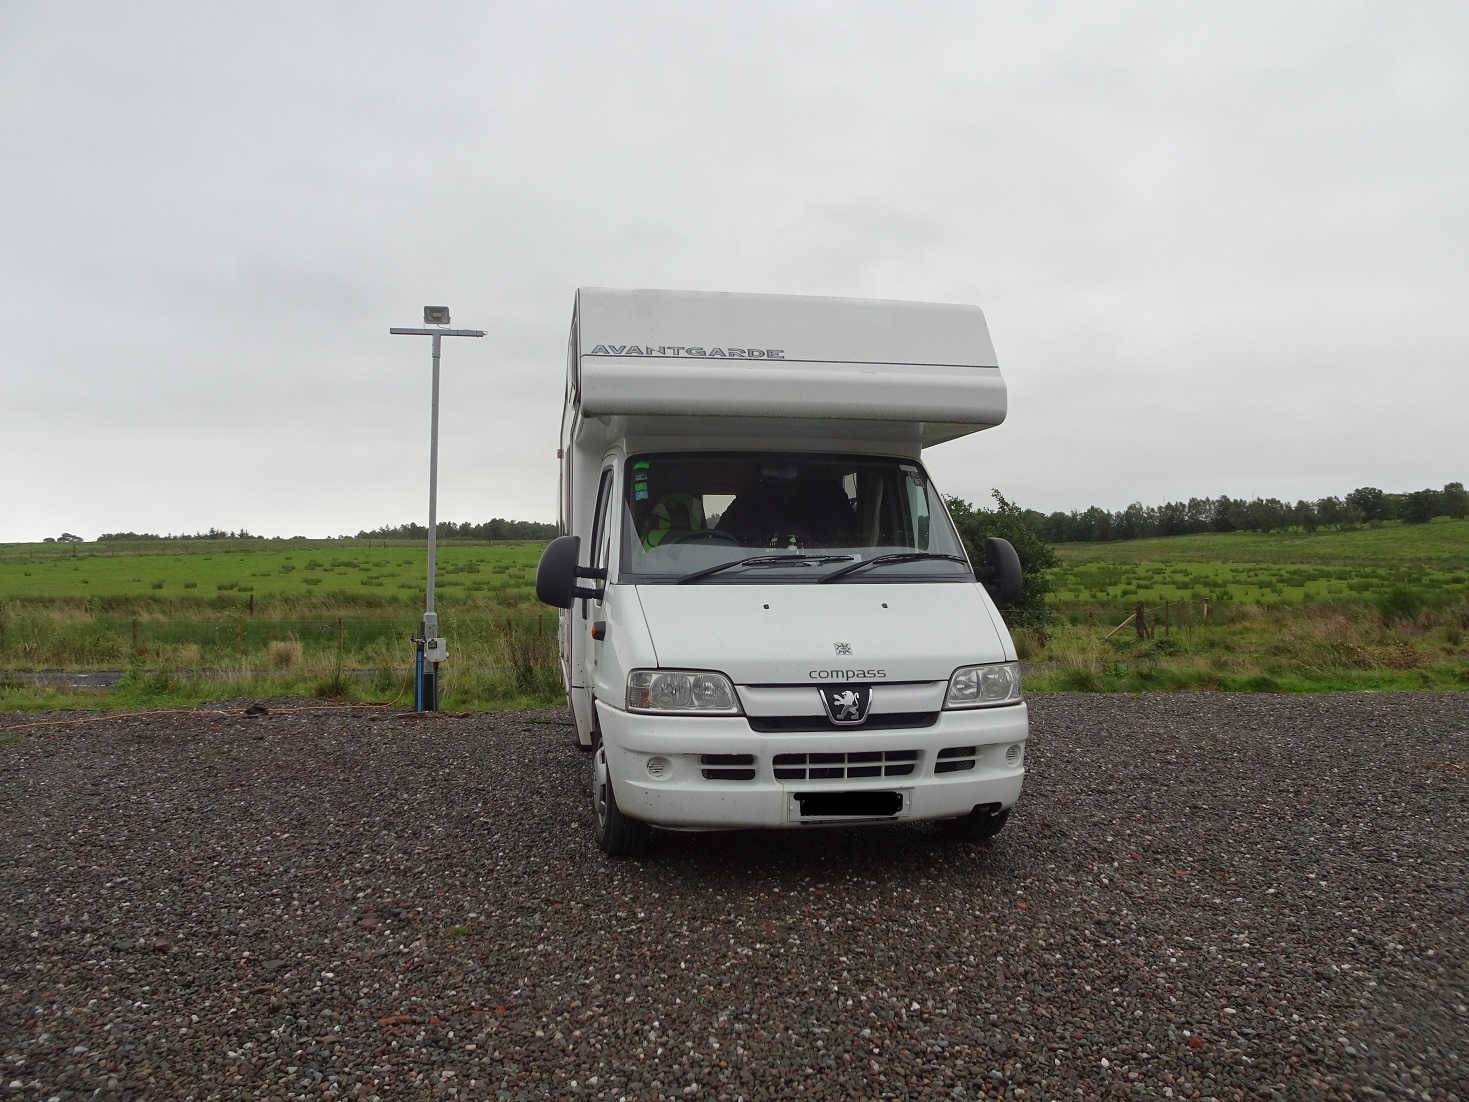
(740, 517)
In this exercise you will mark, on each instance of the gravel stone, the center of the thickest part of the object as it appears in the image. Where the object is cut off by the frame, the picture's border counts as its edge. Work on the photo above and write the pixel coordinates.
(1210, 896)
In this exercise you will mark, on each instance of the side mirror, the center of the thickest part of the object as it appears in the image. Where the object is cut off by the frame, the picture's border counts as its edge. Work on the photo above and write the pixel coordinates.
(557, 573)
(1001, 575)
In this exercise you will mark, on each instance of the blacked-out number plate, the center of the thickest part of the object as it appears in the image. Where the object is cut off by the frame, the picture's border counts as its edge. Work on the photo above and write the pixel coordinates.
(866, 805)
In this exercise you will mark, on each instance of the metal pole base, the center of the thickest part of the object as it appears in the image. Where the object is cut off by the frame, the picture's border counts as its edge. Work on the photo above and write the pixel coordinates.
(425, 682)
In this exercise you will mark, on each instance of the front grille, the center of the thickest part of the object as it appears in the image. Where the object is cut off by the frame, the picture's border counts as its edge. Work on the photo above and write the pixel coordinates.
(728, 767)
(955, 759)
(837, 767)
(888, 721)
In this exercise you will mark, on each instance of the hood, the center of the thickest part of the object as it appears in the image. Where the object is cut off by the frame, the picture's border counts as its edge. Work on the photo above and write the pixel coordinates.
(777, 634)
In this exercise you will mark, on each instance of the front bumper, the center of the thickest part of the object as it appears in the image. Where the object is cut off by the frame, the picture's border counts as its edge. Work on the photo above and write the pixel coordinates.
(939, 785)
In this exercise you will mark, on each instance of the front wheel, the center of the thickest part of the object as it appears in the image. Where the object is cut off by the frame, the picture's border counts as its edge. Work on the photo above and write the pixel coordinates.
(617, 835)
(977, 826)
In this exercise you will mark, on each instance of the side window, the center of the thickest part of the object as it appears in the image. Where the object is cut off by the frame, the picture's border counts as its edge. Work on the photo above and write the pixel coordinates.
(918, 508)
(603, 542)
(597, 550)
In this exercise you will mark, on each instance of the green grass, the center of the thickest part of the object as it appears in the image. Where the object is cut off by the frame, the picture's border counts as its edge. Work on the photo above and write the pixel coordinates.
(1367, 609)
(1365, 564)
(135, 575)
(1444, 542)
(195, 621)
(1384, 608)
(1256, 648)
(508, 669)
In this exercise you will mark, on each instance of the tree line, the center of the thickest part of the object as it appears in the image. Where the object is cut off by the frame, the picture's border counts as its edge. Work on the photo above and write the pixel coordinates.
(496, 528)
(212, 534)
(1364, 505)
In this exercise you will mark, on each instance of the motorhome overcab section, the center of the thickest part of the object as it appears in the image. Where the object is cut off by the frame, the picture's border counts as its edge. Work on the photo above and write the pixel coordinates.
(768, 619)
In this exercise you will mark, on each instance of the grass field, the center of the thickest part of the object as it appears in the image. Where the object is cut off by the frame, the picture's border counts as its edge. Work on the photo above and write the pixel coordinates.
(189, 620)
(1369, 608)
(1292, 567)
(349, 574)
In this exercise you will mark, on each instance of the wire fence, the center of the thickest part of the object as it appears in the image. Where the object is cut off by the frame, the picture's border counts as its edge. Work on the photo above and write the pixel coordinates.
(38, 639)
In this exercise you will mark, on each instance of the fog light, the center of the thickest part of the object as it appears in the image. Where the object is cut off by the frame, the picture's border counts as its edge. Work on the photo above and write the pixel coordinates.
(1013, 753)
(658, 767)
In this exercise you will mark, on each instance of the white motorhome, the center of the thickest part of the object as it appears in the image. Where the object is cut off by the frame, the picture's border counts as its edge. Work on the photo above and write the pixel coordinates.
(768, 619)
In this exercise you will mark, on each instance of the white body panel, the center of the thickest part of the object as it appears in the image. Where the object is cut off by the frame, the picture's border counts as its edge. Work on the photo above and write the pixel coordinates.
(683, 799)
(657, 372)
(785, 634)
(680, 353)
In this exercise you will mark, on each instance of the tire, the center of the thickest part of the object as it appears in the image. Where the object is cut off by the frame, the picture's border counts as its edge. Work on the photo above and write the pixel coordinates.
(977, 826)
(617, 835)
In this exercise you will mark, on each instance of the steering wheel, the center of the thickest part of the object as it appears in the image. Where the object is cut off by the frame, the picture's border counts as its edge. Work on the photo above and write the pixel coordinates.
(705, 535)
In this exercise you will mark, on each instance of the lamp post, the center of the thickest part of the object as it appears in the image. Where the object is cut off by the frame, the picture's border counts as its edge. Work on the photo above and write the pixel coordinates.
(429, 646)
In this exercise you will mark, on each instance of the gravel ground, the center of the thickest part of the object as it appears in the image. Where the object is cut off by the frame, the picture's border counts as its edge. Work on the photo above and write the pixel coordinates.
(1200, 896)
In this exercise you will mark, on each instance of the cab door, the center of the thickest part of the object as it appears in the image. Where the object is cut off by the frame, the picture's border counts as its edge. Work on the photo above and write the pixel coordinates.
(584, 612)
(599, 557)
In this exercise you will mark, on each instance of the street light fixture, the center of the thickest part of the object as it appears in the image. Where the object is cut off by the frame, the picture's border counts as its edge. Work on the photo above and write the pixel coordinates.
(430, 646)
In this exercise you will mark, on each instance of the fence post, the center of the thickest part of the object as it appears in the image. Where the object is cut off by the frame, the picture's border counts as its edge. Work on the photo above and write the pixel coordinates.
(1138, 621)
(339, 640)
(135, 635)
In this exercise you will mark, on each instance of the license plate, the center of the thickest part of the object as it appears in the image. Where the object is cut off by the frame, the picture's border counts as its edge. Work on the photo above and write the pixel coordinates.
(848, 805)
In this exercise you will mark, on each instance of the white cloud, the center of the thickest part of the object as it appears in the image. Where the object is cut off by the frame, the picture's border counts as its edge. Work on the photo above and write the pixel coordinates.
(1221, 250)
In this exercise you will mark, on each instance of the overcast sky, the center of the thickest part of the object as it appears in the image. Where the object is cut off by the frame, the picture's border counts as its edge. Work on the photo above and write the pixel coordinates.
(1221, 250)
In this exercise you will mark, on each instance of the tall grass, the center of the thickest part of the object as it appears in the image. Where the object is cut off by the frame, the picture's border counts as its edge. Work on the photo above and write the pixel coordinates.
(1264, 648)
(284, 653)
(497, 665)
(1384, 608)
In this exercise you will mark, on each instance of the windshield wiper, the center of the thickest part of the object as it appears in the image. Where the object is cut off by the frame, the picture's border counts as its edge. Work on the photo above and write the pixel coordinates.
(900, 556)
(760, 560)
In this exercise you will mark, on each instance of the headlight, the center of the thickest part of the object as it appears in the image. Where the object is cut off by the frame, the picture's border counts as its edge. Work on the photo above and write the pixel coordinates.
(681, 692)
(984, 686)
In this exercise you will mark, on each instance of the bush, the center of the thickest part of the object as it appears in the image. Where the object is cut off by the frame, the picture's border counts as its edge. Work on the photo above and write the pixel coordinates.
(1029, 643)
(1079, 679)
(284, 653)
(1007, 521)
(532, 662)
(141, 686)
(1401, 602)
(336, 685)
